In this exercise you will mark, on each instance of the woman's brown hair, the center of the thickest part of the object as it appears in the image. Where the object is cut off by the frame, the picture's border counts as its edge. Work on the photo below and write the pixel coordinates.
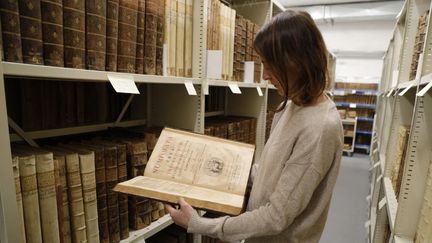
(292, 47)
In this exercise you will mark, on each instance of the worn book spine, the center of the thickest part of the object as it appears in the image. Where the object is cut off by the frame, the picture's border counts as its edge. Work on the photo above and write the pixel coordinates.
(188, 38)
(111, 34)
(67, 104)
(19, 199)
(150, 37)
(127, 36)
(180, 64)
(11, 35)
(31, 31)
(74, 33)
(231, 46)
(122, 198)
(160, 37)
(81, 100)
(31, 104)
(140, 37)
(52, 32)
(59, 199)
(209, 25)
(223, 38)
(166, 33)
(172, 37)
(30, 198)
(95, 34)
(64, 203)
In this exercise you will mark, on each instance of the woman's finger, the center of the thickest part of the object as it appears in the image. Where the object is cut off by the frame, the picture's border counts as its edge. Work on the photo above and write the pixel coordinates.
(182, 202)
(170, 209)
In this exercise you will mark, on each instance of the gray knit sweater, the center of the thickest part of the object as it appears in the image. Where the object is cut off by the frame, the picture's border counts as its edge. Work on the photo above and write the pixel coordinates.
(297, 172)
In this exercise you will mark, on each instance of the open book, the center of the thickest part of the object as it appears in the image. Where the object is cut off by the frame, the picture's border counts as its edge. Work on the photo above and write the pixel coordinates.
(210, 173)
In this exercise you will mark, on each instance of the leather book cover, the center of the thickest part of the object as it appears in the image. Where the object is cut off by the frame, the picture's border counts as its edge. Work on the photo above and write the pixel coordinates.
(59, 200)
(67, 104)
(172, 36)
(140, 37)
(31, 31)
(52, 32)
(150, 37)
(11, 32)
(160, 38)
(127, 36)
(74, 33)
(112, 34)
(96, 12)
(31, 104)
(65, 226)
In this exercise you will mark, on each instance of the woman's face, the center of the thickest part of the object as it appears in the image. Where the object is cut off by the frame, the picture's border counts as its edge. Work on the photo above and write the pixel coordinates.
(268, 75)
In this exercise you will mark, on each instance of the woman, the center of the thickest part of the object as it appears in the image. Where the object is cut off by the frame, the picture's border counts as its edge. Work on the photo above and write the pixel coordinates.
(298, 167)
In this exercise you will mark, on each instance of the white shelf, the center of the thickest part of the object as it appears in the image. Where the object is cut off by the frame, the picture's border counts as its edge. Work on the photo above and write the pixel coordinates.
(225, 83)
(68, 74)
(392, 203)
(142, 234)
(348, 121)
(75, 130)
(406, 84)
(398, 239)
(426, 79)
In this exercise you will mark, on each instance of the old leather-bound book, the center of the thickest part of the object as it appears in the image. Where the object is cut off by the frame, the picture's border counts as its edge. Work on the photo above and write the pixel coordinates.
(30, 196)
(172, 32)
(11, 35)
(160, 37)
(127, 36)
(96, 34)
(140, 37)
(31, 31)
(150, 36)
(19, 199)
(188, 38)
(180, 47)
(59, 200)
(112, 34)
(52, 32)
(74, 33)
(64, 203)
(31, 104)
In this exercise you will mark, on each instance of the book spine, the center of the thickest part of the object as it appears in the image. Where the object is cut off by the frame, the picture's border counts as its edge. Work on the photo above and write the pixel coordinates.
(67, 104)
(88, 178)
(76, 203)
(166, 41)
(74, 33)
(11, 35)
(172, 37)
(112, 34)
(64, 212)
(101, 196)
(180, 51)
(188, 38)
(95, 34)
(110, 157)
(27, 170)
(122, 198)
(31, 31)
(127, 36)
(52, 32)
(59, 200)
(160, 37)
(140, 37)
(47, 197)
(150, 37)
(209, 25)
(31, 105)
(231, 44)
(19, 199)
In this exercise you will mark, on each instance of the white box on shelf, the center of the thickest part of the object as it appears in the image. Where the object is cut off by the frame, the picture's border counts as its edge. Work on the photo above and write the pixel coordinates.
(214, 64)
(249, 70)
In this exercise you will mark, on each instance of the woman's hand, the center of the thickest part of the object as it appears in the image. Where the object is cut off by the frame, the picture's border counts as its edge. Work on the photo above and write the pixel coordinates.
(181, 216)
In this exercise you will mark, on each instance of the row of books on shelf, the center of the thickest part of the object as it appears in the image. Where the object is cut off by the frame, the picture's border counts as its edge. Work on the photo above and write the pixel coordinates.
(215, 101)
(419, 43)
(356, 86)
(367, 114)
(356, 99)
(64, 191)
(241, 129)
(124, 36)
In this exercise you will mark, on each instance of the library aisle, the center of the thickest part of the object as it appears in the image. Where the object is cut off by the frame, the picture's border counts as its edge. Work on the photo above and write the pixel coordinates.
(348, 210)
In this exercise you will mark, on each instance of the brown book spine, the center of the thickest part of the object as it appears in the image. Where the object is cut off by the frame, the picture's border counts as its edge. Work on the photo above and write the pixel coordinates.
(59, 199)
(32, 108)
(112, 15)
(122, 198)
(160, 37)
(64, 212)
(11, 35)
(128, 14)
(31, 31)
(140, 37)
(52, 32)
(67, 104)
(96, 34)
(150, 37)
(74, 33)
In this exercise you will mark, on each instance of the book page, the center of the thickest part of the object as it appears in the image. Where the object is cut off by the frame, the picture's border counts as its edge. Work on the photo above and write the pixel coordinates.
(201, 160)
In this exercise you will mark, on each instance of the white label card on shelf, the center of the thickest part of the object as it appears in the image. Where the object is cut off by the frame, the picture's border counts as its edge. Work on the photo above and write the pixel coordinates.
(352, 105)
(123, 83)
(425, 89)
(249, 71)
(190, 88)
(260, 93)
(379, 178)
(353, 91)
(367, 224)
(389, 93)
(234, 88)
(382, 203)
(214, 64)
(406, 89)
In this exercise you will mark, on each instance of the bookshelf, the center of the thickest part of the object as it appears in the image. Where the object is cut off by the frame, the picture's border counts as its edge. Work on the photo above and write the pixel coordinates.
(404, 104)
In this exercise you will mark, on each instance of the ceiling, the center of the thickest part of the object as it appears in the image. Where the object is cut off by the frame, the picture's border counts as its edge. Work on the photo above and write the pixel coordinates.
(297, 3)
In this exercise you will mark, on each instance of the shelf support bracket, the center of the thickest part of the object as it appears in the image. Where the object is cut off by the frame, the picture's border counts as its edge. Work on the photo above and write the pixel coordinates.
(21, 133)
(125, 107)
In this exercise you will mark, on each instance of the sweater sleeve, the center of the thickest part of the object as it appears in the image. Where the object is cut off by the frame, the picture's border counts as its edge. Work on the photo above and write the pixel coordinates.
(301, 174)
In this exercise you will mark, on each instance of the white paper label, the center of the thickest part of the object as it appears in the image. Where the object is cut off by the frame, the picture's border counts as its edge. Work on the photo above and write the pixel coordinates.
(123, 83)
(425, 89)
(249, 69)
(352, 105)
(379, 178)
(389, 93)
(353, 91)
(165, 60)
(214, 64)
(260, 93)
(234, 88)
(382, 203)
(190, 88)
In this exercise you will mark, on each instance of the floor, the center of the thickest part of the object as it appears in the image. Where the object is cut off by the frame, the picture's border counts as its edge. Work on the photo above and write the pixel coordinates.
(348, 211)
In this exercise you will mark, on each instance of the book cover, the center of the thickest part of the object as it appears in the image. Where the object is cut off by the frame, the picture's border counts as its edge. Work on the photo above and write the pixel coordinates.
(52, 32)
(11, 35)
(59, 200)
(112, 34)
(95, 34)
(150, 36)
(180, 42)
(172, 36)
(188, 38)
(31, 31)
(160, 37)
(214, 177)
(74, 33)
(140, 37)
(65, 226)
(127, 36)
(19, 199)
